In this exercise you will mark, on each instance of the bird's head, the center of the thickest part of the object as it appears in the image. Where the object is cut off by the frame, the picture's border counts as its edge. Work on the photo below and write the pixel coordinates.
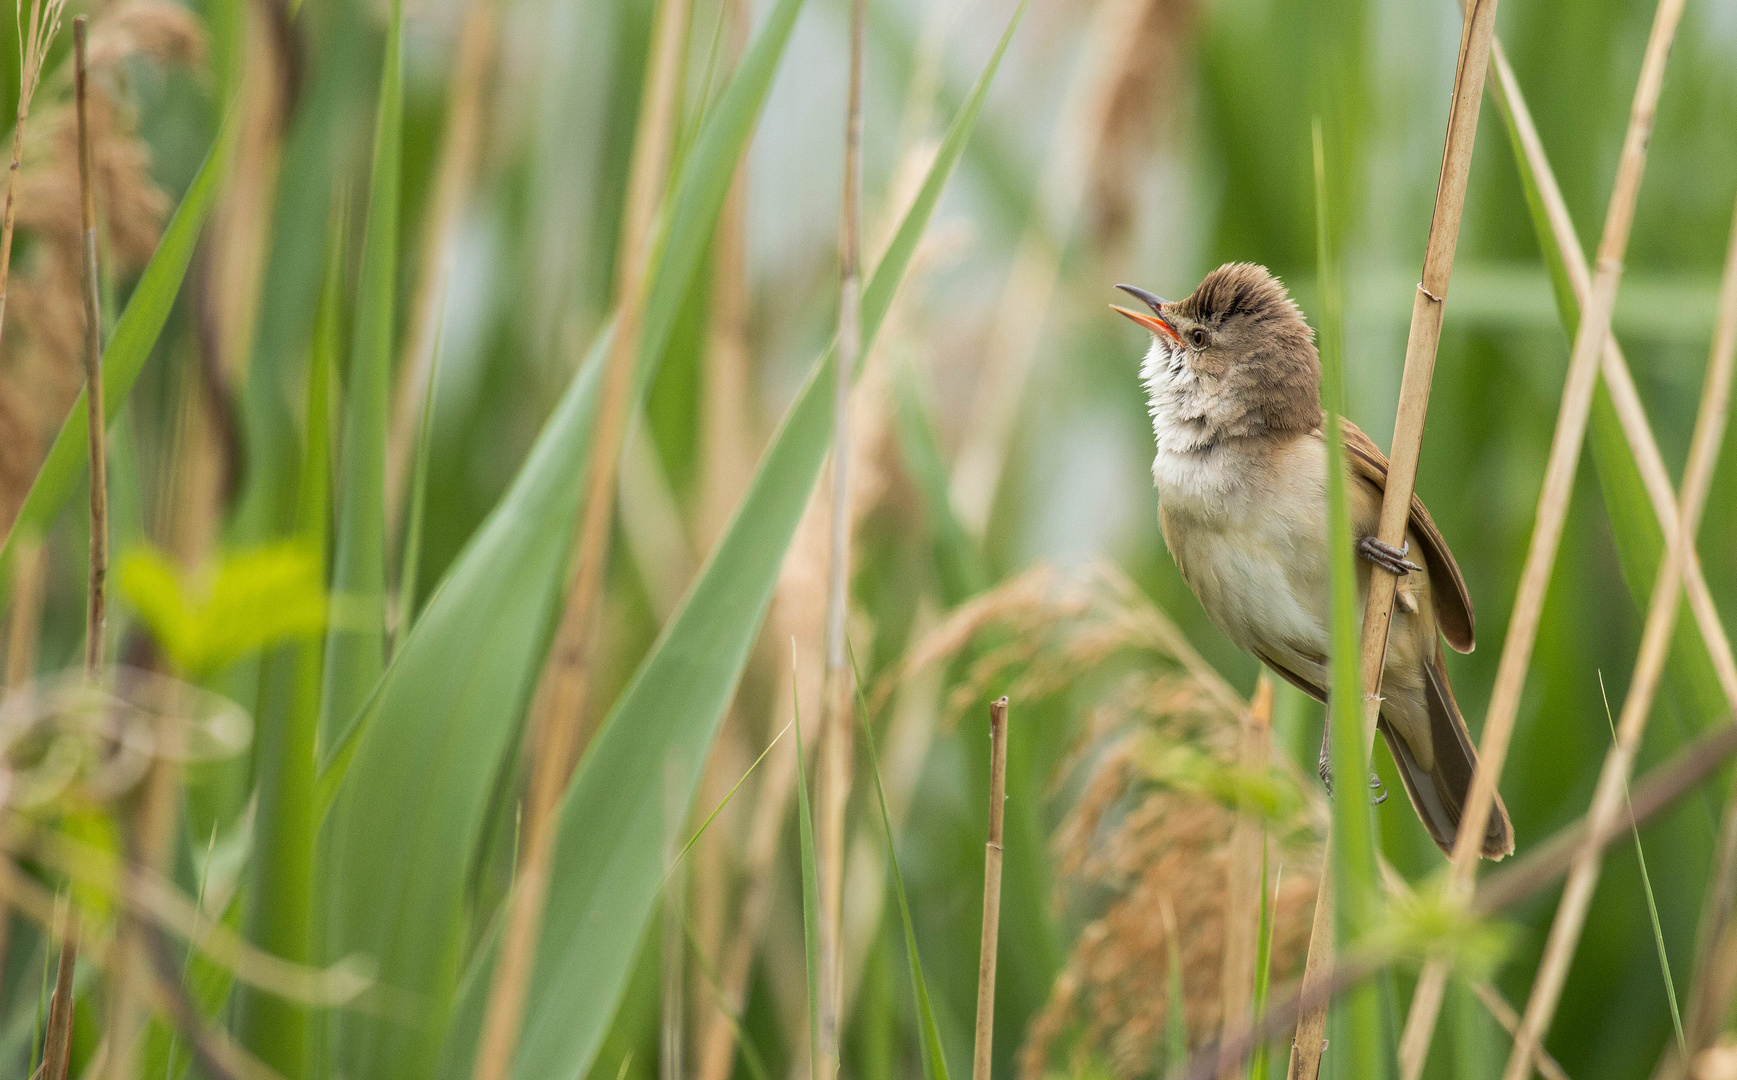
(1232, 359)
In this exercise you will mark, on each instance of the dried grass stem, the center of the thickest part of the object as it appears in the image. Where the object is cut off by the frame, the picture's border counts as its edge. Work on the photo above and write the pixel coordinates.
(983, 1045)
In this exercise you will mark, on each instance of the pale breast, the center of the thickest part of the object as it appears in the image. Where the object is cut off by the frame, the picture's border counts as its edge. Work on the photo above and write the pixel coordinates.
(1252, 546)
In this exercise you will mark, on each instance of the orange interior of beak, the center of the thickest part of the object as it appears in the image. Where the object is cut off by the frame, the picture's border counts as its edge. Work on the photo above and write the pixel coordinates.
(1150, 322)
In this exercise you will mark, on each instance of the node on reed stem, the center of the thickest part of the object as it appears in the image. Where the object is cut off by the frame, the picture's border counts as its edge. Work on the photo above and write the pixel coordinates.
(984, 1043)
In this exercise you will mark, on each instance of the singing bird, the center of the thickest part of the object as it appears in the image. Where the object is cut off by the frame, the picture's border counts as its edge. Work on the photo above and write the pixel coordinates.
(1233, 385)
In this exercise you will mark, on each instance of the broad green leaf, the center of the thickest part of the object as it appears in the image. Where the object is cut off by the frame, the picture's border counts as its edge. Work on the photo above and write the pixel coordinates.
(1640, 543)
(607, 869)
(134, 337)
(356, 645)
(280, 900)
(449, 709)
(418, 495)
(1358, 1048)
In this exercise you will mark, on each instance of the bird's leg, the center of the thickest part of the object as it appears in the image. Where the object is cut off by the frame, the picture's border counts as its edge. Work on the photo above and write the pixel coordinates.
(1324, 765)
(1389, 558)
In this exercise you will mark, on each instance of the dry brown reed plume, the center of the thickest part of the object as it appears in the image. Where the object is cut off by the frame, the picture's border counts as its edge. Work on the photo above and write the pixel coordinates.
(559, 704)
(1154, 786)
(36, 37)
(39, 377)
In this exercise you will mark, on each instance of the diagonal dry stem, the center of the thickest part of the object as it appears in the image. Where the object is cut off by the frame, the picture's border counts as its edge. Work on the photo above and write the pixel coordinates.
(1661, 619)
(566, 676)
(1589, 343)
(1476, 33)
(1426, 1001)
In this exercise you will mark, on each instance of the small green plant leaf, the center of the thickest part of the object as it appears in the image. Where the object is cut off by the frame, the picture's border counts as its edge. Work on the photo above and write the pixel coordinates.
(247, 603)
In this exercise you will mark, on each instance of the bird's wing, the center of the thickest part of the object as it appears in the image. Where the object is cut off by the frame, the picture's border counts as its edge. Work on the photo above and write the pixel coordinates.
(1319, 693)
(1453, 603)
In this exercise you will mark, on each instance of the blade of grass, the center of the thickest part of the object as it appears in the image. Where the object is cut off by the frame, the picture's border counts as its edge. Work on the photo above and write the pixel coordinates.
(934, 1058)
(1351, 842)
(810, 890)
(129, 346)
(280, 902)
(1647, 886)
(356, 643)
(418, 495)
(1257, 1062)
(605, 871)
(1175, 1001)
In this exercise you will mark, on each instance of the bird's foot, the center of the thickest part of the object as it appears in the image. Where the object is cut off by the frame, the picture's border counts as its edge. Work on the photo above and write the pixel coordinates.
(1389, 558)
(1325, 766)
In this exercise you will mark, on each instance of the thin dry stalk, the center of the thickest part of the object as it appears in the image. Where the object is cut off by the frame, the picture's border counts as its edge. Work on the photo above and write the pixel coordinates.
(1608, 799)
(453, 178)
(984, 1044)
(38, 36)
(567, 675)
(1536, 871)
(1476, 32)
(1113, 43)
(1498, 1007)
(29, 577)
(57, 1041)
(837, 734)
(1318, 975)
(95, 610)
(1426, 1002)
(727, 412)
(1588, 344)
(1631, 415)
(1243, 884)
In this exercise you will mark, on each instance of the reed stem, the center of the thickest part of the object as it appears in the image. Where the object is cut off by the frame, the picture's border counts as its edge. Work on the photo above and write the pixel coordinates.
(566, 678)
(836, 731)
(983, 1045)
(1553, 508)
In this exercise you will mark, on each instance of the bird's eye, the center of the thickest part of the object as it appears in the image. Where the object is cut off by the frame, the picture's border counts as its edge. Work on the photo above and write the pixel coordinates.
(1199, 337)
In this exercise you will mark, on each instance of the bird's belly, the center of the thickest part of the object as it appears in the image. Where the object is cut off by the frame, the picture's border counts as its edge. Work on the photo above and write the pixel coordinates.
(1261, 578)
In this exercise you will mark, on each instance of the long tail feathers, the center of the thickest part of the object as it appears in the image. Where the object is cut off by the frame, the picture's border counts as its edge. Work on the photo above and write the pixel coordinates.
(1438, 794)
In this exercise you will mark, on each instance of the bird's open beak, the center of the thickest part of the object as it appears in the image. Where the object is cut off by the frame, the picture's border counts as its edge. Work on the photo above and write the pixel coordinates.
(1155, 322)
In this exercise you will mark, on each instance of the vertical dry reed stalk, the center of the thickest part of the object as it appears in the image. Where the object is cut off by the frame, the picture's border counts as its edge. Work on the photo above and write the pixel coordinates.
(1016, 330)
(983, 1045)
(29, 579)
(453, 178)
(1426, 1002)
(38, 36)
(1608, 799)
(1476, 32)
(566, 676)
(57, 1039)
(837, 733)
(95, 606)
(1588, 345)
(1243, 880)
